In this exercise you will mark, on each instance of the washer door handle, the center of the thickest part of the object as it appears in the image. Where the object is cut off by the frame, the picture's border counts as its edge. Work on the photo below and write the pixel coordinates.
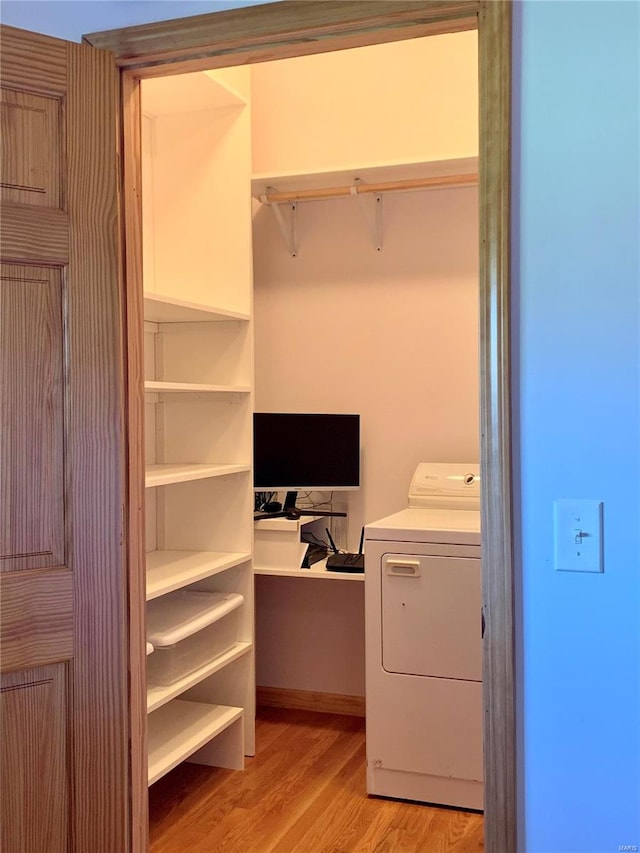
(403, 568)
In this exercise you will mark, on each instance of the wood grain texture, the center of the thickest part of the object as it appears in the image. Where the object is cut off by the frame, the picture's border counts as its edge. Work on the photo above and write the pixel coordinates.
(62, 396)
(37, 618)
(131, 202)
(308, 700)
(32, 62)
(495, 453)
(270, 52)
(277, 31)
(34, 236)
(32, 147)
(304, 791)
(32, 478)
(34, 776)
(96, 498)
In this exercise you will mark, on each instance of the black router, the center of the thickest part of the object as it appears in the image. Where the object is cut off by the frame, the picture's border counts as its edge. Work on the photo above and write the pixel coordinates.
(345, 562)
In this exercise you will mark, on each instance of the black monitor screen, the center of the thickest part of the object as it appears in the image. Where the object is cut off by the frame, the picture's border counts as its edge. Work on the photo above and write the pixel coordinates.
(306, 451)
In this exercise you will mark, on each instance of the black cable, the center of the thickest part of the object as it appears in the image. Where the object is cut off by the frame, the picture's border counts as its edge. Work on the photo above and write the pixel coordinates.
(316, 504)
(314, 540)
(262, 498)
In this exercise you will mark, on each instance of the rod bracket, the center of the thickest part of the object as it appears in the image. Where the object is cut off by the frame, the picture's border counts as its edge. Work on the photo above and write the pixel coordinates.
(289, 230)
(372, 214)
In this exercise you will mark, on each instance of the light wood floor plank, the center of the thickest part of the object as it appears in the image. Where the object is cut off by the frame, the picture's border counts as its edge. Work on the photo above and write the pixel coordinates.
(304, 792)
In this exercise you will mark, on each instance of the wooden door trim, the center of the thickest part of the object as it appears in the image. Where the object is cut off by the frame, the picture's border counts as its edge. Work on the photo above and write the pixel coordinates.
(133, 319)
(281, 30)
(498, 665)
(278, 31)
(96, 410)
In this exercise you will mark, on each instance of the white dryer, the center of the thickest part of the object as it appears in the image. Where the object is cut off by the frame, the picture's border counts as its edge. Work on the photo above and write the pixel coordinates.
(424, 642)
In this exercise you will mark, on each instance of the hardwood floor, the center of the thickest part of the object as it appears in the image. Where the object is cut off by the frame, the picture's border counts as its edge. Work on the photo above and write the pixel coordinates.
(304, 792)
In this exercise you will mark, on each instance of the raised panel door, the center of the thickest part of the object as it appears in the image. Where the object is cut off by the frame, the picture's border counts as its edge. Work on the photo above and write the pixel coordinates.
(65, 765)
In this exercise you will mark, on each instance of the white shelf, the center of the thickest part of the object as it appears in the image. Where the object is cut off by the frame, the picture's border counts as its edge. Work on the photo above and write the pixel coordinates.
(164, 475)
(181, 614)
(373, 173)
(187, 93)
(179, 728)
(158, 695)
(317, 571)
(171, 570)
(165, 309)
(290, 525)
(153, 387)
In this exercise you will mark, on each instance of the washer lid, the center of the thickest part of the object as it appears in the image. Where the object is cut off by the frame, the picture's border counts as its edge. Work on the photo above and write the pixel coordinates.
(446, 526)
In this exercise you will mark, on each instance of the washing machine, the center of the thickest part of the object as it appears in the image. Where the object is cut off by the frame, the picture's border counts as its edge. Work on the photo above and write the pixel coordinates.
(423, 629)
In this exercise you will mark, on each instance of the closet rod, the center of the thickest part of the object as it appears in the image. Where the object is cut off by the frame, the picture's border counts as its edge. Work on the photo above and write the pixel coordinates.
(433, 182)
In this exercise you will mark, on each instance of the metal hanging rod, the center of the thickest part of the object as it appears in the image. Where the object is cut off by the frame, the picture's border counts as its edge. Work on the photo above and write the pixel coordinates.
(434, 182)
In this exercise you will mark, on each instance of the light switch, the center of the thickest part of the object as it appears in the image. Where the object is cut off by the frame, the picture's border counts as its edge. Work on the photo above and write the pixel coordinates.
(578, 536)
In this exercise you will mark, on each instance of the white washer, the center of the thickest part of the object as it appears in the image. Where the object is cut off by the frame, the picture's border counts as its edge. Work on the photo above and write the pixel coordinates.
(424, 642)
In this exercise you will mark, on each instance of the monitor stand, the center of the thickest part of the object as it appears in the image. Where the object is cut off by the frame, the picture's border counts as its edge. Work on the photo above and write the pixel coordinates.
(291, 511)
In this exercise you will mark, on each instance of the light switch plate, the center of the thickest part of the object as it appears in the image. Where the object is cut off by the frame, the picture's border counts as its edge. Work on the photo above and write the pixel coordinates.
(578, 536)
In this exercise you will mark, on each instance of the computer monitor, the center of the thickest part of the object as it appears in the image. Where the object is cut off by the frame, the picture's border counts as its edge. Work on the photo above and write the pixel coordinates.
(294, 451)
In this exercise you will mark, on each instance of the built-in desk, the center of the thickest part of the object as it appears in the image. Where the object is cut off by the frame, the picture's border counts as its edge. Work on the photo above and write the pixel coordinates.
(318, 570)
(309, 637)
(279, 551)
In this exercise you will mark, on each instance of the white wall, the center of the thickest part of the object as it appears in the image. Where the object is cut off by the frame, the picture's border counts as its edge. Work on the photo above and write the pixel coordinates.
(576, 390)
(391, 335)
(310, 635)
(378, 104)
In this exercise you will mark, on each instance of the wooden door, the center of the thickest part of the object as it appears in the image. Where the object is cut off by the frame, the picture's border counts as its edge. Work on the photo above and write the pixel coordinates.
(64, 767)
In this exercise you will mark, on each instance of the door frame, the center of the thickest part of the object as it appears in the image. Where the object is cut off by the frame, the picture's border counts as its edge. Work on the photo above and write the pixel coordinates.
(296, 28)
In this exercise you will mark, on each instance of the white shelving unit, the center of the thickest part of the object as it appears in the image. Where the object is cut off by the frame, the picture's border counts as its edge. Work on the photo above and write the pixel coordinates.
(179, 729)
(199, 402)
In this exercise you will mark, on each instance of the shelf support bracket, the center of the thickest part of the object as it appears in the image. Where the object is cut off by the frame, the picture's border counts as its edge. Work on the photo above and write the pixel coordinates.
(373, 218)
(289, 232)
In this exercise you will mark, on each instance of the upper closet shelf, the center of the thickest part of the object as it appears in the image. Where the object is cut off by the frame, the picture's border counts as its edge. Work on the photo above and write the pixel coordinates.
(164, 475)
(187, 93)
(153, 387)
(286, 187)
(166, 309)
(366, 185)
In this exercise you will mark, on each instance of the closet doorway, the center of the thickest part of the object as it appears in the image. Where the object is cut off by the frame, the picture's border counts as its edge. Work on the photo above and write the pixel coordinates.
(289, 29)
